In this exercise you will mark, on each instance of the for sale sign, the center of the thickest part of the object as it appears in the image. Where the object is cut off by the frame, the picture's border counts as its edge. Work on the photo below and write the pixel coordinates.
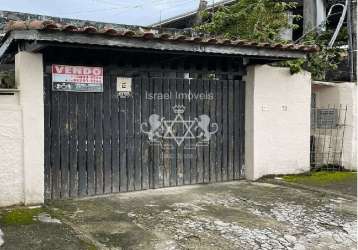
(77, 78)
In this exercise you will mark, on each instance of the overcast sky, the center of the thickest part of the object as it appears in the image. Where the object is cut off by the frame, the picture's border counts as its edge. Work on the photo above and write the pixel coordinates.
(139, 12)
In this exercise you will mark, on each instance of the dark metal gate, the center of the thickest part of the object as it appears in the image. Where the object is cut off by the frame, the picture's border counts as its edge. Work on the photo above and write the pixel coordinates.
(98, 143)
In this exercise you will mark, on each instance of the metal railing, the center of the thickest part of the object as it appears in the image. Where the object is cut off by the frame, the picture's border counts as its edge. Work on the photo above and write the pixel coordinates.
(327, 137)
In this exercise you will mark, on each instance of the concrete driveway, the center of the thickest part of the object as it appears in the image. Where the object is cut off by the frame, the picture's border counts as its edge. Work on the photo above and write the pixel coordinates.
(236, 215)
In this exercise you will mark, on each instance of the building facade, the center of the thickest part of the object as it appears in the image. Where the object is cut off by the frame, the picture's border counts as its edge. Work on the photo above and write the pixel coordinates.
(97, 111)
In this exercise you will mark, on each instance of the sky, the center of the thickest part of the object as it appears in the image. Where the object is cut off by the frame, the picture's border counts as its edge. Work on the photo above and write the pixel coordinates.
(135, 12)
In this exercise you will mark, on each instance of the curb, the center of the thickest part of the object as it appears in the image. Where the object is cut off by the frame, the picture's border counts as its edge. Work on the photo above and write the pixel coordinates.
(309, 188)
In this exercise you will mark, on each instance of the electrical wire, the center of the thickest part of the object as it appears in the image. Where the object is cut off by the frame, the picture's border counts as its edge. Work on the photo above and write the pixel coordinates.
(124, 8)
(324, 22)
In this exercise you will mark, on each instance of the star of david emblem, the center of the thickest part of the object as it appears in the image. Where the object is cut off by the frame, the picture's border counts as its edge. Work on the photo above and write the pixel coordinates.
(178, 130)
(170, 129)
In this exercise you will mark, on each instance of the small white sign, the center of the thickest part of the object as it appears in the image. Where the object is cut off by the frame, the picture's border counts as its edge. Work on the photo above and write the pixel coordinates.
(124, 86)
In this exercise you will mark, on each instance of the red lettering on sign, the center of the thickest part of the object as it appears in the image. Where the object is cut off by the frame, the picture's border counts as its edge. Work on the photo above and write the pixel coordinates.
(97, 71)
(57, 69)
(77, 74)
(68, 70)
(76, 70)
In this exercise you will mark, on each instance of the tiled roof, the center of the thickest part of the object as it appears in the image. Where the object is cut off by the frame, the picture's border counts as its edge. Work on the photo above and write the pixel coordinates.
(151, 34)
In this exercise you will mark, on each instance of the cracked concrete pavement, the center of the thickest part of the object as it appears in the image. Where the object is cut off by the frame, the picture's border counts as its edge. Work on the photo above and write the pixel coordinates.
(235, 215)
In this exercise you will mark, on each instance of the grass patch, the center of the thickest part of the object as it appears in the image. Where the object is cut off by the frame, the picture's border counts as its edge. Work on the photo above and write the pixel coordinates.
(322, 178)
(20, 216)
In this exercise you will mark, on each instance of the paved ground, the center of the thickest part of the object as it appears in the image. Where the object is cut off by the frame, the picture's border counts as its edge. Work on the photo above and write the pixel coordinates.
(24, 229)
(236, 215)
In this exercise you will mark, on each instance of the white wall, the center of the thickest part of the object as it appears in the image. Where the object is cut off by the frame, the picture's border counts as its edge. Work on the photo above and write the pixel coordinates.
(277, 128)
(11, 141)
(345, 94)
(29, 78)
(22, 135)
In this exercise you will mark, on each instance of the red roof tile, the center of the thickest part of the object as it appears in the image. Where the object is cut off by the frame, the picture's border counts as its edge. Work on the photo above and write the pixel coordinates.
(151, 35)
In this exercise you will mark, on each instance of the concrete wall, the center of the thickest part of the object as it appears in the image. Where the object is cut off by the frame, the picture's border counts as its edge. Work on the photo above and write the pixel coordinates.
(11, 155)
(22, 135)
(29, 78)
(277, 129)
(345, 94)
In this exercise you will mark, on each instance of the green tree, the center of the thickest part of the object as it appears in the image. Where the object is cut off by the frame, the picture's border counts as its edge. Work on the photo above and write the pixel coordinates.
(327, 59)
(263, 21)
(257, 20)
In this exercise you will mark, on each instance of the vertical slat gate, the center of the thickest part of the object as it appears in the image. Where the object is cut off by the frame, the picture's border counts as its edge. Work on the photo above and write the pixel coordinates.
(173, 162)
(64, 138)
(95, 143)
(115, 136)
(212, 107)
(145, 147)
(193, 113)
(200, 150)
(178, 132)
(91, 146)
(166, 150)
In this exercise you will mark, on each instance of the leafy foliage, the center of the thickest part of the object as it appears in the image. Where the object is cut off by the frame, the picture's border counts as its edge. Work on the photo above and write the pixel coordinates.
(320, 63)
(263, 21)
(327, 59)
(258, 20)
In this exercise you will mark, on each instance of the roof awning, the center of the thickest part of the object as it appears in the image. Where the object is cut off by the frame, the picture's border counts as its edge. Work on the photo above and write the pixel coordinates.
(37, 34)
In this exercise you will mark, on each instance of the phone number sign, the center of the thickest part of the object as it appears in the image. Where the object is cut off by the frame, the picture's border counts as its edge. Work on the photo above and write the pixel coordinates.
(77, 78)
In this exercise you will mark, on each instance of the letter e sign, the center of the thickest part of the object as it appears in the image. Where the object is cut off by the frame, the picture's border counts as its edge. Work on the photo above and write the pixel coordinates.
(124, 86)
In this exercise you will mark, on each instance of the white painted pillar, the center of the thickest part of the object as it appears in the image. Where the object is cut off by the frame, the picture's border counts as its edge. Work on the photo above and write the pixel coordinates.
(277, 122)
(29, 78)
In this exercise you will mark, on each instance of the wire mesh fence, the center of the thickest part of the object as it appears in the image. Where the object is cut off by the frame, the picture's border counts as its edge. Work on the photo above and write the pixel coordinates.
(327, 137)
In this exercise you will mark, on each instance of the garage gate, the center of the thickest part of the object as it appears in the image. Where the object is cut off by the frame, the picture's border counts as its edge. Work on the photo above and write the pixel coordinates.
(174, 129)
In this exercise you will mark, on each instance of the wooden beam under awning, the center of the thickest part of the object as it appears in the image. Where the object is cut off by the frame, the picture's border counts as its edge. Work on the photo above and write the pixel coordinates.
(79, 39)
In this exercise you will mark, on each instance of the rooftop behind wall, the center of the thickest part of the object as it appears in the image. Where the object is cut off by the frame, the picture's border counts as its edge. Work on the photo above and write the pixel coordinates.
(6, 16)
